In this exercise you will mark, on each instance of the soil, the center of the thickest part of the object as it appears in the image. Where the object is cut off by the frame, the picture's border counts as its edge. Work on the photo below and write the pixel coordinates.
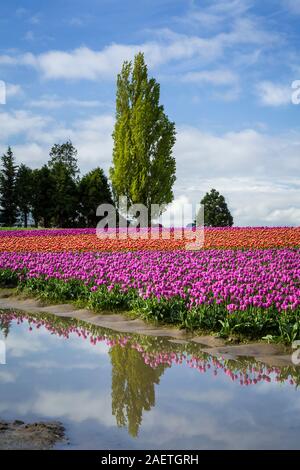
(18, 435)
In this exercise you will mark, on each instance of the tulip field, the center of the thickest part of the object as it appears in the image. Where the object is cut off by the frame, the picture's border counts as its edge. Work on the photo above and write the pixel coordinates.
(86, 240)
(245, 281)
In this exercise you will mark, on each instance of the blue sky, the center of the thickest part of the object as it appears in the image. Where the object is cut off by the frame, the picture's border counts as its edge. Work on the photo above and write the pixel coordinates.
(225, 69)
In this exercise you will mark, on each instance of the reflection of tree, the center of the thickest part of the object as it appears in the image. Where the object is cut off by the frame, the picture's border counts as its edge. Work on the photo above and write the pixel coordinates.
(132, 387)
(4, 325)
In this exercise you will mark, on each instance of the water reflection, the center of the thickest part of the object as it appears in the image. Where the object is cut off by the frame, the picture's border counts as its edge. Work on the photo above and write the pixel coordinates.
(132, 387)
(137, 366)
(5, 323)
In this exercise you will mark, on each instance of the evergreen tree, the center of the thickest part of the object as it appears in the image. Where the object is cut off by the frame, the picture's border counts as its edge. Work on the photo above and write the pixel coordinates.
(24, 192)
(65, 154)
(65, 201)
(143, 165)
(93, 191)
(63, 167)
(8, 211)
(43, 196)
(216, 212)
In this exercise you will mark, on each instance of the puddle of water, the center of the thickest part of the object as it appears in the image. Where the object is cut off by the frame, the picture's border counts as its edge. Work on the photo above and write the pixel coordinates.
(116, 391)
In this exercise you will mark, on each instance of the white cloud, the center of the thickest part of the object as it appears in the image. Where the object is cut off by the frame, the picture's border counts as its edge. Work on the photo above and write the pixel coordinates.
(290, 215)
(21, 122)
(215, 77)
(92, 137)
(230, 7)
(8, 60)
(165, 46)
(56, 103)
(85, 63)
(274, 94)
(13, 90)
(7, 376)
(246, 166)
(215, 13)
(32, 154)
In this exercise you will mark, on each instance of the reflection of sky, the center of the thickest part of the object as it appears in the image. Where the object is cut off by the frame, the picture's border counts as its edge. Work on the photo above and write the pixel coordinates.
(48, 377)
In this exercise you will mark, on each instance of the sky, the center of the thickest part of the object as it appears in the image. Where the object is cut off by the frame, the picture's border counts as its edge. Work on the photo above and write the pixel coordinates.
(225, 68)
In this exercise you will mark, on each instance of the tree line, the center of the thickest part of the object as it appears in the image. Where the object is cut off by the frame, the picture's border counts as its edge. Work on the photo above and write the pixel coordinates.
(53, 195)
(143, 167)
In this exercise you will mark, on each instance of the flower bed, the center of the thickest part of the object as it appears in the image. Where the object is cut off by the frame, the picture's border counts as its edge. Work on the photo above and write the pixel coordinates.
(250, 292)
(164, 240)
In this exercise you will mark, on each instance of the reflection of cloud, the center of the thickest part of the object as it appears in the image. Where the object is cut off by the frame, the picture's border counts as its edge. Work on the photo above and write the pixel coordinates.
(7, 376)
(19, 346)
(202, 429)
(76, 406)
(52, 364)
(85, 345)
(210, 396)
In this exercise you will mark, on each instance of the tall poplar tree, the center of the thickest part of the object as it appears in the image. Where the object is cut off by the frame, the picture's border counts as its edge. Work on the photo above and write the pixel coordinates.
(143, 165)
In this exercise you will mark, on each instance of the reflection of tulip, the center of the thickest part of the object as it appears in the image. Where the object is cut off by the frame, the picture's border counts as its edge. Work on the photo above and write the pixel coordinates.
(157, 356)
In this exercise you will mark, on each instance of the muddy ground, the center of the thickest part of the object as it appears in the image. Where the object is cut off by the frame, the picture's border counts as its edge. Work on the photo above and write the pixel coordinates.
(18, 435)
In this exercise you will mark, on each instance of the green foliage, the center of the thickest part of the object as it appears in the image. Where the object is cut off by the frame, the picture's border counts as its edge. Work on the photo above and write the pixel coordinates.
(143, 166)
(160, 310)
(43, 196)
(53, 195)
(93, 190)
(25, 189)
(114, 299)
(63, 168)
(55, 290)
(289, 326)
(216, 212)
(132, 387)
(65, 204)
(252, 324)
(8, 211)
(65, 155)
(8, 278)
